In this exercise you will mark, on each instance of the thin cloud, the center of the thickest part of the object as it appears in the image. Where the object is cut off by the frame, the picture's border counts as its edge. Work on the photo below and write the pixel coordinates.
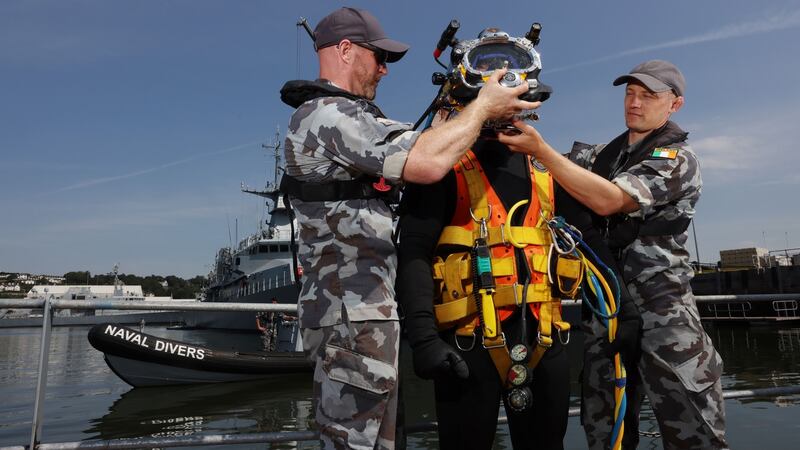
(103, 180)
(726, 152)
(787, 179)
(162, 215)
(769, 24)
(755, 151)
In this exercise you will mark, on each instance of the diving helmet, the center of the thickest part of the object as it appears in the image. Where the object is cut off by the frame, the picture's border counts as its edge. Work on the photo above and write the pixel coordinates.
(473, 61)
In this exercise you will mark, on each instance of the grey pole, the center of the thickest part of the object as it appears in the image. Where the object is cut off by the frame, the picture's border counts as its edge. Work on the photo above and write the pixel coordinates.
(696, 250)
(41, 385)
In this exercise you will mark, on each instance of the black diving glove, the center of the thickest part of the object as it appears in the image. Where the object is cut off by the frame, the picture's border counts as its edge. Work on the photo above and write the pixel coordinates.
(629, 332)
(435, 358)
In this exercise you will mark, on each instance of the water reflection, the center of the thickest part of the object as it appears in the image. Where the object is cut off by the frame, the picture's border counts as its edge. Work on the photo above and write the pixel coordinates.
(760, 355)
(241, 407)
(85, 400)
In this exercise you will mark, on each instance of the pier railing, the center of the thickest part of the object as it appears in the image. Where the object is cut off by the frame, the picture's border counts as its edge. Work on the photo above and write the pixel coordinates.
(50, 305)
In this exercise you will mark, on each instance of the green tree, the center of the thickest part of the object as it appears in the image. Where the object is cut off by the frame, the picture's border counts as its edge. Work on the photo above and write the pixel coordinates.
(77, 278)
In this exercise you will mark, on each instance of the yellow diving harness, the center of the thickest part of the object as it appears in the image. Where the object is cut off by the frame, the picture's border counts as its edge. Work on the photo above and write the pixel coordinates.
(478, 286)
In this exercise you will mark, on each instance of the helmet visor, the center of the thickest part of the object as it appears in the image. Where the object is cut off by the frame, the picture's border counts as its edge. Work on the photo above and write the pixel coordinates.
(493, 56)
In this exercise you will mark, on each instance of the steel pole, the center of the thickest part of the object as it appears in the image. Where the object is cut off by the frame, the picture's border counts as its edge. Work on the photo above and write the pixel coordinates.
(41, 384)
(696, 249)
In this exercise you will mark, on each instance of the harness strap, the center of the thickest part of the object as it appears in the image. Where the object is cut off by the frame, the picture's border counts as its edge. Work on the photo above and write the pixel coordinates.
(477, 194)
(543, 186)
(455, 235)
(457, 268)
(450, 312)
(455, 274)
(550, 313)
(364, 187)
(660, 227)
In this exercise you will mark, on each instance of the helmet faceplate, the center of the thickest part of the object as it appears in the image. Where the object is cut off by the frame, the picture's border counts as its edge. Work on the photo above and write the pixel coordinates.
(473, 61)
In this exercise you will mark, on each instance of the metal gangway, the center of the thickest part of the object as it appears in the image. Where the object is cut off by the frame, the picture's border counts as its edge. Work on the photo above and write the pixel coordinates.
(50, 305)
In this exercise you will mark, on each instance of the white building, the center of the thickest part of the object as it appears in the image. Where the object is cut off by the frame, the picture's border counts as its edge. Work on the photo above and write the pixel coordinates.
(742, 258)
(62, 292)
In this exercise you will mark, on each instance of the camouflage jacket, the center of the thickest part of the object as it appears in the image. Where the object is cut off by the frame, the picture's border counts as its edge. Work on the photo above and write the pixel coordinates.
(666, 185)
(346, 249)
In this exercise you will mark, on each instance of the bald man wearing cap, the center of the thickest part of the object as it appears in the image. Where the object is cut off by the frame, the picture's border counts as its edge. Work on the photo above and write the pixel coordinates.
(642, 188)
(345, 162)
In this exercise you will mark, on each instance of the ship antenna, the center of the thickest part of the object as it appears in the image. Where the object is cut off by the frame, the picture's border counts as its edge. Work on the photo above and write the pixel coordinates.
(230, 239)
(276, 146)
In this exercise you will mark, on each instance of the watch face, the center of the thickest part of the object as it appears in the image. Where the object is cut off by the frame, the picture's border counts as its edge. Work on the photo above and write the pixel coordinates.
(519, 399)
(517, 374)
(519, 353)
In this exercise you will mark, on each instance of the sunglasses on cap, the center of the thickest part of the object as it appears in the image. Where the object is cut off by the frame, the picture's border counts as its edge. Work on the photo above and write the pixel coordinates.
(381, 55)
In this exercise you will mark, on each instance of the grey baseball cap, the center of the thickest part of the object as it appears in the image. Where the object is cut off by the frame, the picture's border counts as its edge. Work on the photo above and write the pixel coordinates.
(360, 27)
(656, 75)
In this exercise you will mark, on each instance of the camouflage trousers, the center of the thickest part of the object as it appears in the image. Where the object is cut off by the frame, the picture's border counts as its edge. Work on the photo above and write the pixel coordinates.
(355, 383)
(679, 370)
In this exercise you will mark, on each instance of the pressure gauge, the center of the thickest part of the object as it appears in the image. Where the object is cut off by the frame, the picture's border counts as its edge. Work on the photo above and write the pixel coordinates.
(519, 353)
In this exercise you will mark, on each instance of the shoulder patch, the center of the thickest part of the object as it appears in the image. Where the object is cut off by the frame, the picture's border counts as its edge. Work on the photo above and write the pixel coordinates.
(664, 153)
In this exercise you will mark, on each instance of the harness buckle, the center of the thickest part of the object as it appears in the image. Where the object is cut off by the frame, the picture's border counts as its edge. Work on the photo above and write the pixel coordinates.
(543, 341)
(502, 342)
(517, 300)
(471, 345)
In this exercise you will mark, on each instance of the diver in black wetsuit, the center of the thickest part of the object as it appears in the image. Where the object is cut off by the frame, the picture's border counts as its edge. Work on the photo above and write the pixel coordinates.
(467, 387)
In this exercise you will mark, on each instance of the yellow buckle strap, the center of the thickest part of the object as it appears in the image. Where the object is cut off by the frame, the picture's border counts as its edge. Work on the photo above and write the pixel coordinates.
(531, 236)
(452, 311)
(500, 357)
(544, 334)
(456, 272)
(456, 269)
(543, 184)
(539, 262)
(479, 205)
(456, 235)
(490, 323)
(459, 266)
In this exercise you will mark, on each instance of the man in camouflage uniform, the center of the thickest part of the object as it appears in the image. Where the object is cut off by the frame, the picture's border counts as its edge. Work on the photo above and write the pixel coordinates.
(340, 154)
(647, 205)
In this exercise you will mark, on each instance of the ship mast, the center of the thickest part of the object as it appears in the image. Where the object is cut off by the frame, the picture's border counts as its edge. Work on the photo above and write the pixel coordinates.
(276, 146)
(270, 190)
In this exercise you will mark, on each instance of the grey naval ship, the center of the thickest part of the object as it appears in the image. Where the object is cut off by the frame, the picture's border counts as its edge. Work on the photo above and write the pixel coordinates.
(261, 268)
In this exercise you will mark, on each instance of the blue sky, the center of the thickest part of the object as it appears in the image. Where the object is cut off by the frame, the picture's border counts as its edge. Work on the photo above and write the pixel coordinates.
(128, 126)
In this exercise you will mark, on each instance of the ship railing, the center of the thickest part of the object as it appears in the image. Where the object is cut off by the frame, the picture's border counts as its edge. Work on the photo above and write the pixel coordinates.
(49, 306)
(784, 306)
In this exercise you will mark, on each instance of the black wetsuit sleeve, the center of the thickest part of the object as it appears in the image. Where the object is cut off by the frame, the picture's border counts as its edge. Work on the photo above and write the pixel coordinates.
(425, 210)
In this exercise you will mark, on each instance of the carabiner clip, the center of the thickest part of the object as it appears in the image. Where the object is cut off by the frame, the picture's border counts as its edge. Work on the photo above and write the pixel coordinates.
(563, 342)
(484, 231)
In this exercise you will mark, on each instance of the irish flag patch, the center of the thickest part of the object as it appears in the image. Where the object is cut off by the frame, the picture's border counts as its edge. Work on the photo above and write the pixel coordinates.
(665, 153)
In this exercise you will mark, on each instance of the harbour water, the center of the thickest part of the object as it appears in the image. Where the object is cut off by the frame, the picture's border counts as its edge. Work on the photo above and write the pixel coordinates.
(85, 400)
